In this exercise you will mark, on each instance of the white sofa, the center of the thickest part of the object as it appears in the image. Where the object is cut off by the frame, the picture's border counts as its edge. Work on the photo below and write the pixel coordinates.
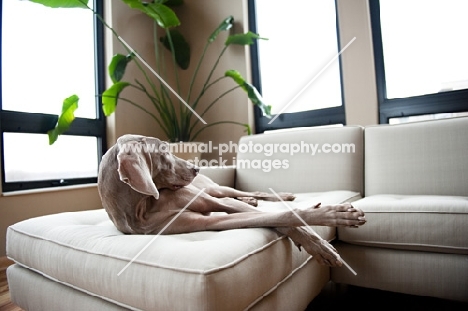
(416, 203)
(411, 180)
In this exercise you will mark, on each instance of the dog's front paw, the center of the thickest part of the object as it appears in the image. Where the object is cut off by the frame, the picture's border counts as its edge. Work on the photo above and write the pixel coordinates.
(281, 196)
(249, 200)
(286, 196)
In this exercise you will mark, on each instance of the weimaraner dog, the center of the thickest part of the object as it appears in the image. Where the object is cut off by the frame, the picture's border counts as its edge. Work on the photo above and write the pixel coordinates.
(143, 187)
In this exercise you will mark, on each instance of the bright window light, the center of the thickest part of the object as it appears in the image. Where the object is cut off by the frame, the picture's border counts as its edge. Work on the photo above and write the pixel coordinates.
(302, 41)
(28, 157)
(47, 55)
(425, 46)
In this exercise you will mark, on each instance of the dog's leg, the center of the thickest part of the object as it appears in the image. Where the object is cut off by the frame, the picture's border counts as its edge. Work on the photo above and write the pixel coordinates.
(244, 216)
(222, 191)
(332, 215)
(167, 209)
(314, 244)
(322, 251)
(217, 191)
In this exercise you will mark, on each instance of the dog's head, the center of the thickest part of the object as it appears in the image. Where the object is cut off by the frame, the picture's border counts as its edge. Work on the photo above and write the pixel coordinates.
(146, 165)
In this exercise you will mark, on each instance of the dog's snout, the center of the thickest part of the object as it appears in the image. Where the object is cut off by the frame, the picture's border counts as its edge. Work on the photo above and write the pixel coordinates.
(195, 170)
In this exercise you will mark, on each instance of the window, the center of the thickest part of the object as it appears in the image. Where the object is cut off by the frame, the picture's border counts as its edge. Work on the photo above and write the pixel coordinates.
(420, 49)
(48, 55)
(297, 70)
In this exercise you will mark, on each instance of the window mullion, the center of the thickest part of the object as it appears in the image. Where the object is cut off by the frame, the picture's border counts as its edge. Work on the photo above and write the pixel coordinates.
(23, 122)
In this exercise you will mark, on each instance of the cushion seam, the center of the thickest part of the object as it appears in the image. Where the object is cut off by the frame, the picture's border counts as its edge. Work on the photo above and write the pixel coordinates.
(369, 242)
(273, 288)
(194, 271)
(50, 278)
(414, 212)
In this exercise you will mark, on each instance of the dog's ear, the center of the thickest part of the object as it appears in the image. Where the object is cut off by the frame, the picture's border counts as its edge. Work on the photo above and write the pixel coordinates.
(135, 168)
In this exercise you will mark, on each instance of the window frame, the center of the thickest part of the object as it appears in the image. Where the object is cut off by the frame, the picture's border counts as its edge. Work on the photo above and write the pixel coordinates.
(316, 117)
(39, 123)
(445, 102)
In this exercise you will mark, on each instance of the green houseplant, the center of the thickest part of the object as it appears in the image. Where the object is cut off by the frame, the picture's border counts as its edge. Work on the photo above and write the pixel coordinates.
(176, 116)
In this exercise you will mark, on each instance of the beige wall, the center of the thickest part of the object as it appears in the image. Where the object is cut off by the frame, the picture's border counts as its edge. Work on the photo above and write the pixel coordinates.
(200, 17)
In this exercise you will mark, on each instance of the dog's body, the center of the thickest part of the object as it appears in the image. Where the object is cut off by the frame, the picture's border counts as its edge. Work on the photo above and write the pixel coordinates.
(143, 187)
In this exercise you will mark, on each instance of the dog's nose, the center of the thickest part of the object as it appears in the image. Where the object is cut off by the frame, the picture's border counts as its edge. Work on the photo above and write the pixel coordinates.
(195, 169)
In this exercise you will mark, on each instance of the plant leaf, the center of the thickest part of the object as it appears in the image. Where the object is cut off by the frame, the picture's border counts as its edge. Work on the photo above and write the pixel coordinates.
(225, 25)
(110, 97)
(243, 38)
(251, 91)
(248, 129)
(118, 65)
(181, 48)
(63, 3)
(65, 119)
(162, 14)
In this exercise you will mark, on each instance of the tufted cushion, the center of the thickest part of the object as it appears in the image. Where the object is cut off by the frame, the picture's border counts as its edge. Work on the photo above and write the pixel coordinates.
(85, 251)
(419, 222)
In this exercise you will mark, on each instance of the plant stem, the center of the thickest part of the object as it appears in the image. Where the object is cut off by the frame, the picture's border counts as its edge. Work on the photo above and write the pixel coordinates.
(196, 71)
(217, 99)
(162, 109)
(214, 82)
(212, 103)
(182, 111)
(165, 99)
(146, 111)
(209, 77)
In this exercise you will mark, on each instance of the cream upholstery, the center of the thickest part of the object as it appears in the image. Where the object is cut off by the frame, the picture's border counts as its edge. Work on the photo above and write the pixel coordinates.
(415, 241)
(416, 203)
(420, 273)
(423, 223)
(417, 158)
(32, 291)
(324, 171)
(84, 251)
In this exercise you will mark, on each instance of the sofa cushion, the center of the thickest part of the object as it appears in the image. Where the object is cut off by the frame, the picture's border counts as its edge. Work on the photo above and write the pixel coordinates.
(421, 158)
(304, 200)
(336, 163)
(85, 251)
(223, 175)
(419, 222)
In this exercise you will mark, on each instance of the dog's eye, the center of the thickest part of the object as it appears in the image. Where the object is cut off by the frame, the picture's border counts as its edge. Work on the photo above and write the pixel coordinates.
(167, 161)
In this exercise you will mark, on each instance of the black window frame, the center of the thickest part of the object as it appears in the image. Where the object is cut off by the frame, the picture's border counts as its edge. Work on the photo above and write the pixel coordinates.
(444, 102)
(39, 123)
(316, 117)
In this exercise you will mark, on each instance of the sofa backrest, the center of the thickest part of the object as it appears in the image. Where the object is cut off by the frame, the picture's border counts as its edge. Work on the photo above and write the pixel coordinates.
(336, 163)
(429, 158)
